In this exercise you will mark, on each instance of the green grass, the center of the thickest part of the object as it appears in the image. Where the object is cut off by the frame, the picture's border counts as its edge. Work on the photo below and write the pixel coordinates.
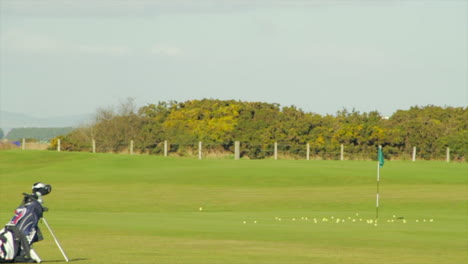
(108, 208)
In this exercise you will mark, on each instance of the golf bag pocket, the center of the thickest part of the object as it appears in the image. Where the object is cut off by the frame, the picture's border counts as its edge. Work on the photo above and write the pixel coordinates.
(8, 246)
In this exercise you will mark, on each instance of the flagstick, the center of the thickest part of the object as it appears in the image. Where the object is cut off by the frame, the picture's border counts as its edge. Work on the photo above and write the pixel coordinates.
(377, 198)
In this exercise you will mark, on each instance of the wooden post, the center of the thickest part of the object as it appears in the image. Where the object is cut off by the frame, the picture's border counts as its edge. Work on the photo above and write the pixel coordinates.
(414, 153)
(131, 147)
(448, 154)
(276, 150)
(199, 150)
(165, 148)
(308, 151)
(23, 144)
(342, 152)
(58, 145)
(236, 150)
(94, 146)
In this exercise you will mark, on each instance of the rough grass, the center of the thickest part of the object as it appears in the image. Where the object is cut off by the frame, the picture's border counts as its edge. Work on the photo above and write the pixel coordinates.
(108, 208)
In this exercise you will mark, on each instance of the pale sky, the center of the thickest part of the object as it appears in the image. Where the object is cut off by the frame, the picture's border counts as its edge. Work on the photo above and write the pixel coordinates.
(71, 57)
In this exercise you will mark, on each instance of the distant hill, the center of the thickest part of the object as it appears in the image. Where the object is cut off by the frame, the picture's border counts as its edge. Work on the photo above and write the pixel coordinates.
(41, 134)
(9, 120)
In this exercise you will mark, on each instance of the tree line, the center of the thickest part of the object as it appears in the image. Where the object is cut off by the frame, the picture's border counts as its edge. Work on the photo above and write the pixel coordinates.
(258, 125)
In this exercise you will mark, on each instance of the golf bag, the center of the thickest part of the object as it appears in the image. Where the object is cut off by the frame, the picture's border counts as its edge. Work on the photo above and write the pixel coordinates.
(18, 235)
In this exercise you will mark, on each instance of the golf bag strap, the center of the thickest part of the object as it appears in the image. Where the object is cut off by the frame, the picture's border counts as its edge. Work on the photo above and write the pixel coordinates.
(21, 239)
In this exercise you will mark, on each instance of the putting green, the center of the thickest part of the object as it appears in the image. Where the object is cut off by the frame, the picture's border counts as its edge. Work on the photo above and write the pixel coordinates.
(107, 208)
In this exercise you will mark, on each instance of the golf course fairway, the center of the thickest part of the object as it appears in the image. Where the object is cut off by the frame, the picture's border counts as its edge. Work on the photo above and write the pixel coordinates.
(109, 208)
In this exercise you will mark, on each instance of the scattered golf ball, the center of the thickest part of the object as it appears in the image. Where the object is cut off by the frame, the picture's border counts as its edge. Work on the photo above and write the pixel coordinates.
(357, 214)
(354, 220)
(255, 221)
(244, 222)
(417, 220)
(431, 220)
(200, 209)
(294, 219)
(394, 216)
(404, 221)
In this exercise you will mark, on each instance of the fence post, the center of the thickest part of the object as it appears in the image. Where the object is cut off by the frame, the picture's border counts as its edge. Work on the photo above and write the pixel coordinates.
(23, 144)
(308, 151)
(276, 150)
(236, 150)
(94, 146)
(131, 147)
(199, 150)
(165, 148)
(448, 154)
(58, 145)
(414, 153)
(342, 152)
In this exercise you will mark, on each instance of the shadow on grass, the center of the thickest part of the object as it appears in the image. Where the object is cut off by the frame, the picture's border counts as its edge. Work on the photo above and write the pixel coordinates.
(62, 260)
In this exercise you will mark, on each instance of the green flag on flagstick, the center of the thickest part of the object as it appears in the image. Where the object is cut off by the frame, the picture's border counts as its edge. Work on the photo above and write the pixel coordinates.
(380, 157)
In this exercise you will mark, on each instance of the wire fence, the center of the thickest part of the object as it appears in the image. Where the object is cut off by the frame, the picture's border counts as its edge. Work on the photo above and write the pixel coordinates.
(239, 150)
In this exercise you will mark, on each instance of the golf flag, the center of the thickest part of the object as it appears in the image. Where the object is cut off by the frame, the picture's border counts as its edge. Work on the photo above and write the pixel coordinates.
(380, 157)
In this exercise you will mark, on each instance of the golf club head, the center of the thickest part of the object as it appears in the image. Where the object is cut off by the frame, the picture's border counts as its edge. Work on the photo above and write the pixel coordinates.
(41, 188)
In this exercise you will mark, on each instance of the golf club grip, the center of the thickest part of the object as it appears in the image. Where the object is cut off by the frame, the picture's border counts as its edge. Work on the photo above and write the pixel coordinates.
(56, 241)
